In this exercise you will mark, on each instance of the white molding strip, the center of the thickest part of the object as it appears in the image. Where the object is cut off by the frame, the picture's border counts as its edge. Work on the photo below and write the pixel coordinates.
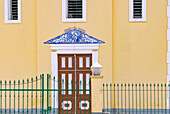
(168, 53)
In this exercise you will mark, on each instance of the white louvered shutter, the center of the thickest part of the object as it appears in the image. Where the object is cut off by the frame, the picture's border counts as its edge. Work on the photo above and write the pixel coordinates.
(137, 9)
(75, 9)
(13, 10)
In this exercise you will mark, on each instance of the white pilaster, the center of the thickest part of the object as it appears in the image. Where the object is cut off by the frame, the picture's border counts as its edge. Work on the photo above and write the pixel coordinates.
(94, 57)
(54, 68)
(168, 53)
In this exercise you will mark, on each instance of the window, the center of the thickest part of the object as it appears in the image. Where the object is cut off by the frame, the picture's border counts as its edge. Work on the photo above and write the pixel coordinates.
(137, 10)
(12, 11)
(74, 10)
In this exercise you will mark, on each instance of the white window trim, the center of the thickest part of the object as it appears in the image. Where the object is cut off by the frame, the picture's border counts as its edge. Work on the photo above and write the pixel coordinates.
(64, 13)
(6, 11)
(69, 49)
(131, 19)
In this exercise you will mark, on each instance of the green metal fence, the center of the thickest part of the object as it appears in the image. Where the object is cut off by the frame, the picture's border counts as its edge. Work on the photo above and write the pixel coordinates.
(35, 96)
(136, 98)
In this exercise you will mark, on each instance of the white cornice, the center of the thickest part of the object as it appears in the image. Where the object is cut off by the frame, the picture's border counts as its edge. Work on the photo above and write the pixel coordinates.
(74, 46)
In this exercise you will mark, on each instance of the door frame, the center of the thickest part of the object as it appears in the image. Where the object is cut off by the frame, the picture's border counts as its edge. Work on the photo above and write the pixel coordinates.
(69, 49)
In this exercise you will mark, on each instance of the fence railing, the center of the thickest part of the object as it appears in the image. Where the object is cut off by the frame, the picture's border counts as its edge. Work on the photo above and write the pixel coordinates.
(136, 98)
(42, 95)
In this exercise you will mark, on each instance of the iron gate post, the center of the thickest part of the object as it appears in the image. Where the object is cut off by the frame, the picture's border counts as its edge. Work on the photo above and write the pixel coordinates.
(42, 93)
(47, 91)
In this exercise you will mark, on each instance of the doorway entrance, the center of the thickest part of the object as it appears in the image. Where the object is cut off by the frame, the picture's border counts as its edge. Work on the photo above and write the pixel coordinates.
(74, 74)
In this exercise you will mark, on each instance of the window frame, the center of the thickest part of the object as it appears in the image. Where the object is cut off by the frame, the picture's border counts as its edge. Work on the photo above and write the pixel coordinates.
(64, 13)
(131, 19)
(6, 11)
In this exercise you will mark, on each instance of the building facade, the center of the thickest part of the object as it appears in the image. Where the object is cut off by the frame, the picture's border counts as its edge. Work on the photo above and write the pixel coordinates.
(134, 37)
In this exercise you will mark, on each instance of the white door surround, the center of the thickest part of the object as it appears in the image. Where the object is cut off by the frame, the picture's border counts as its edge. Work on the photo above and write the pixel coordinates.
(69, 49)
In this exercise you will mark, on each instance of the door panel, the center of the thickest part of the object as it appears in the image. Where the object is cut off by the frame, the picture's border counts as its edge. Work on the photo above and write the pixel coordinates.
(66, 98)
(83, 97)
(66, 62)
(86, 59)
(73, 69)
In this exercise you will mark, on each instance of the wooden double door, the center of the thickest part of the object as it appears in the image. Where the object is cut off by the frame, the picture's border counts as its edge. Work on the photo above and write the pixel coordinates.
(74, 74)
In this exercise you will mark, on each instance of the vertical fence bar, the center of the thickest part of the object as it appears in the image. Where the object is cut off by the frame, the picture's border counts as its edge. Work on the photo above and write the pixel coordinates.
(14, 96)
(18, 97)
(49, 103)
(114, 98)
(27, 94)
(47, 92)
(36, 94)
(158, 96)
(67, 95)
(168, 96)
(103, 99)
(62, 95)
(118, 96)
(162, 97)
(10, 97)
(1, 95)
(23, 98)
(136, 98)
(132, 100)
(76, 93)
(154, 99)
(147, 96)
(42, 93)
(129, 96)
(165, 99)
(140, 98)
(122, 98)
(54, 94)
(32, 96)
(143, 99)
(5, 96)
(89, 94)
(80, 96)
(58, 96)
(72, 96)
(111, 97)
(107, 95)
(76, 96)
(125, 98)
(151, 97)
(85, 98)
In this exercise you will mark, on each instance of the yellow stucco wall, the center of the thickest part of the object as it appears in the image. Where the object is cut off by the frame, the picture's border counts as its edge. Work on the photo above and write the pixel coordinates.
(50, 25)
(139, 48)
(99, 25)
(18, 44)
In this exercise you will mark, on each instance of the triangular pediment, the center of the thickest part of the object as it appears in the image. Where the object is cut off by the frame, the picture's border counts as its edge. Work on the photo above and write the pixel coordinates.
(74, 36)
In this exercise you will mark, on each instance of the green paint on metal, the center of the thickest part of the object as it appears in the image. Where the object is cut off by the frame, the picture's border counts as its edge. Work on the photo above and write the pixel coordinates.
(141, 98)
(30, 96)
(18, 97)
(23, 98)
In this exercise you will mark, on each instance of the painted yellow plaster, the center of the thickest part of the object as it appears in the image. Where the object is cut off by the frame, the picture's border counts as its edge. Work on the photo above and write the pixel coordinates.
(99, 25)
(18, 44)
(50, 25)
(139, 48)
